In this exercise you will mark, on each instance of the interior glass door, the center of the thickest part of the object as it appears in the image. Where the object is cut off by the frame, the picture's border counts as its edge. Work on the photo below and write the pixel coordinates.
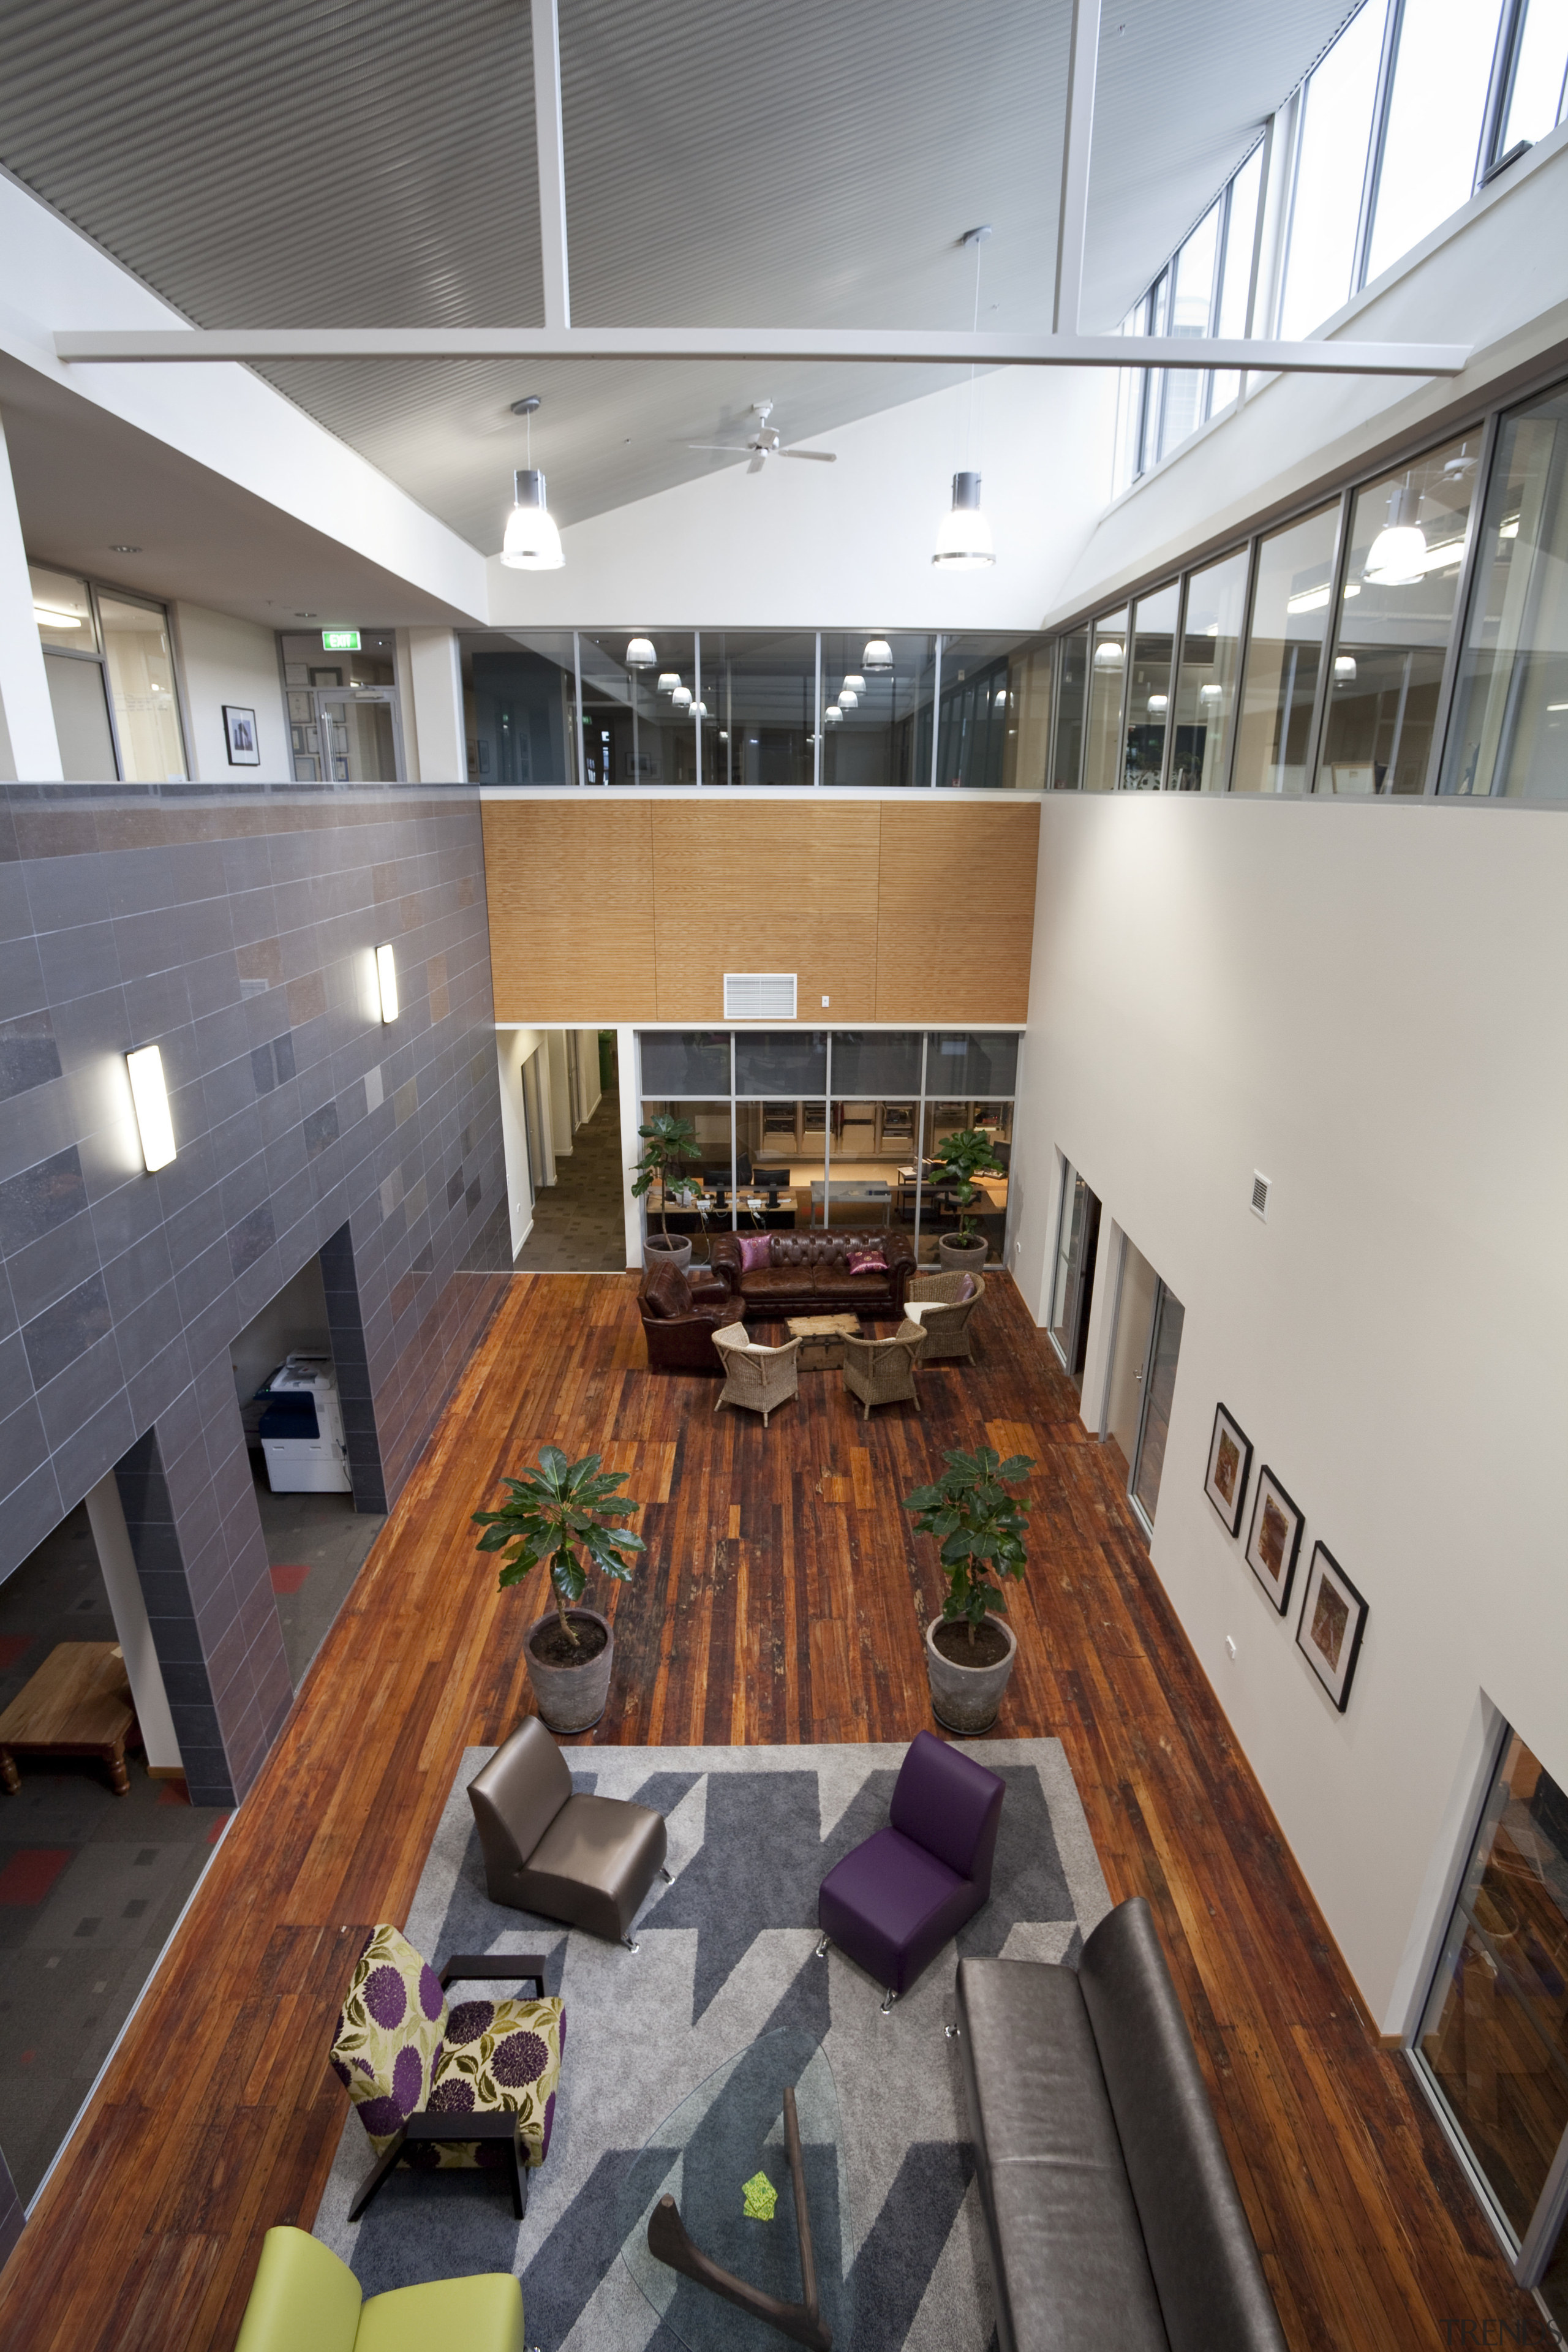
(1154, 1416)
(1493, 2043)
(357, 737)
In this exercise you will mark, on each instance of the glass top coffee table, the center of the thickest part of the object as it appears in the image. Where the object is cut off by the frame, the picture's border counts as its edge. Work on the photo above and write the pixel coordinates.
(690, 2183)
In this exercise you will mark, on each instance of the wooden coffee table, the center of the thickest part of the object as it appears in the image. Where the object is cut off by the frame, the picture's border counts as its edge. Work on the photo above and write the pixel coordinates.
(822, 1338)
(78, 1704)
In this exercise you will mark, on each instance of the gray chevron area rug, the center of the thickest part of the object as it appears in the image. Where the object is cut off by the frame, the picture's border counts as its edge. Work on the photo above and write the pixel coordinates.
(726, 1960)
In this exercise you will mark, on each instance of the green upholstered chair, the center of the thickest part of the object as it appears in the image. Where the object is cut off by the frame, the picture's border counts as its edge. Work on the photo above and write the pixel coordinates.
(306, 2299)
(461, 2086)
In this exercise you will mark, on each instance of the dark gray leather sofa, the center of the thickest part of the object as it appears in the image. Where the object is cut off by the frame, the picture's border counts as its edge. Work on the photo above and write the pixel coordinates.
(1111, 2208)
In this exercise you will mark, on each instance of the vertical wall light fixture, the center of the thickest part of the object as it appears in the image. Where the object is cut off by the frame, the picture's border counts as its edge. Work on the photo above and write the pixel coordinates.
(150, 1097)
(386, 979)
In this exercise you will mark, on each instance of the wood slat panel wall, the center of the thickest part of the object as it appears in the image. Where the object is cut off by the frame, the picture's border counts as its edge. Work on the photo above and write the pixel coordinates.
(911, 910)
(955, 917)
(570, 886)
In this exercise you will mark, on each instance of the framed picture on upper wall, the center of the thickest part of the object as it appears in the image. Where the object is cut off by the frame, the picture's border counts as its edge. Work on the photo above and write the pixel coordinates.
(239, 732)
(1334, 1619)
(1230, 1461)
(1274, 1539)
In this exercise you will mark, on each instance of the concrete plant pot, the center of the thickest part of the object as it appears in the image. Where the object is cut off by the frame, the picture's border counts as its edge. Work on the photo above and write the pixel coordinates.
(571, 1698)
(966, 1698)
(676, 1251)
(957, 1259)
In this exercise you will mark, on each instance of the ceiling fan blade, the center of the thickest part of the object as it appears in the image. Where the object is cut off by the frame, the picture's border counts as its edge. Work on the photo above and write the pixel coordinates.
(731, 448)
(818, 456)
(759, 459)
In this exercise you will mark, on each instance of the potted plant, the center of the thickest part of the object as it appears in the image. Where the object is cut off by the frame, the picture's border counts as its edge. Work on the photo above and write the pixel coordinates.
(565, 1513)
(970, 1650)
(666, 1143)
(959, 1160)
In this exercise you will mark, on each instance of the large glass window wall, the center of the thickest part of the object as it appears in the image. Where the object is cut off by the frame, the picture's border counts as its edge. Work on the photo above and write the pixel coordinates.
(1414, 106)
(837, 1129)
(1408, 637)
(110, 672)
(753, 708)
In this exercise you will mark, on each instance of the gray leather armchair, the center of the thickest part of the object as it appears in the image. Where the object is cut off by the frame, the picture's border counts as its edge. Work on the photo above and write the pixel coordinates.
(587, 1860)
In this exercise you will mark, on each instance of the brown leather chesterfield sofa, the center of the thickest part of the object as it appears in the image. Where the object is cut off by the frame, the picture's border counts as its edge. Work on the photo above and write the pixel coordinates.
(680, 1313)
(808, 1273)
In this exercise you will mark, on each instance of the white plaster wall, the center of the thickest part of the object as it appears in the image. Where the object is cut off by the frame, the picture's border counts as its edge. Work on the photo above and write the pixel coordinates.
(223, 659)
(849, 545)
(1365, 1004)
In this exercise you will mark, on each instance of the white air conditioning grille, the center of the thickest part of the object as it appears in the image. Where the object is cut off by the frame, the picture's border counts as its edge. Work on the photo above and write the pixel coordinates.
(759, 995)
(1259, 1195)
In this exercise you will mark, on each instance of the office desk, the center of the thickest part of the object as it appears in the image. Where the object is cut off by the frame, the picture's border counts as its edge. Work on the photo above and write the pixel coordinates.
(850, 1192)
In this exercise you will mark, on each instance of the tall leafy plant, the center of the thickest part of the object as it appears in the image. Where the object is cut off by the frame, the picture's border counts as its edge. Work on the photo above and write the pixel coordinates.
(565, 1513)
(980, 1527)
(964, 1157)
(667, 1142)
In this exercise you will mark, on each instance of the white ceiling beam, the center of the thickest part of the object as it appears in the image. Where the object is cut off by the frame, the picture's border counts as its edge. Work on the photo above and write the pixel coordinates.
(550, 140)
(1072, 215)
(850, 346)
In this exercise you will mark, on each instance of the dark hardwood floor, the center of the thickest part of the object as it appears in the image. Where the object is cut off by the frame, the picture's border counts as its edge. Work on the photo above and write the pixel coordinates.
(782, 1598)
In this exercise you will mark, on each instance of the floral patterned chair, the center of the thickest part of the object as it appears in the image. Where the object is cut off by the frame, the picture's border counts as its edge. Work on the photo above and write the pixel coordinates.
(445, 2088)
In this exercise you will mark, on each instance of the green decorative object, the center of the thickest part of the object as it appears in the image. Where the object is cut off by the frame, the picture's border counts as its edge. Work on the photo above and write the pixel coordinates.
(667, 1142)
(760, 2197)
(962, 1158)
(558, 1512)
(979, 1526)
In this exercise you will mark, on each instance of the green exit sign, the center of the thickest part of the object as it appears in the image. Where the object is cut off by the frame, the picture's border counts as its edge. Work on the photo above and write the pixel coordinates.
(340, 641)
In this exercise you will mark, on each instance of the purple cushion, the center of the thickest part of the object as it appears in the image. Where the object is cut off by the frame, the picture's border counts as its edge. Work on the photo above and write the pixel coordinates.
(754, 1251)
(965, 1289)
(870, 1262)
(950, 1805)
(891, 1906)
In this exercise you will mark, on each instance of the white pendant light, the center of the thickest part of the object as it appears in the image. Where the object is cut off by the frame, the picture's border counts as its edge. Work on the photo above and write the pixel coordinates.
(847, 699)
(1158, 705)
(641, 654)
(963, 535)
(1108, 654)
(681, 698)
(857, 681)
(833, 716)
(878, 657)
(1397, 556)
(1210, 693)
(669, 679)
(1345, 667)
(699, 711)
(532, 543)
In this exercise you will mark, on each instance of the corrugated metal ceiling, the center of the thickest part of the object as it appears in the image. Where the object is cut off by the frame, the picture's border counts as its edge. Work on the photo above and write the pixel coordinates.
(349, 165)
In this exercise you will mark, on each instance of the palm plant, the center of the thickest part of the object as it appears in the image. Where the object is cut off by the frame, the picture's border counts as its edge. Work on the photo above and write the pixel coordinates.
(964, 1156)
(666, 1141)
(565, 1513)
(979, 1526)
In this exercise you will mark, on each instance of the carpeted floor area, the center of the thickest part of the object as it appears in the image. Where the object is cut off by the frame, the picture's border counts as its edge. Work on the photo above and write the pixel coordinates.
(579, 1221)
(727, 1957)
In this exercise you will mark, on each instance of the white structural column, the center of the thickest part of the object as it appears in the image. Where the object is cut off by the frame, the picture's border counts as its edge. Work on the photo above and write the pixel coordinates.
(111, 1537)
(436, 676)
(1072, 220)
(29, 747)
(551, 141)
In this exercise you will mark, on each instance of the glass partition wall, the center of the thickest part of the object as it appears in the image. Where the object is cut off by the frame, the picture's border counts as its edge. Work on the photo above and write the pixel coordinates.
(836, 1130)
(1409, 636)
(754, 707)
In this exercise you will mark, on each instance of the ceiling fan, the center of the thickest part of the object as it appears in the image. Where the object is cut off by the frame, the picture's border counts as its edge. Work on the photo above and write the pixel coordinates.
(765, 443)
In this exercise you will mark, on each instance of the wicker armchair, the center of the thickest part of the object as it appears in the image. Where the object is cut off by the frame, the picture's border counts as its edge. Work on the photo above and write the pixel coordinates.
(882, 1371)
(759, 1378)
(944, 1315)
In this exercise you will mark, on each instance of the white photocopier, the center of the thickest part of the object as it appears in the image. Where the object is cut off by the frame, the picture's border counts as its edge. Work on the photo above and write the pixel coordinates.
(303, 1429)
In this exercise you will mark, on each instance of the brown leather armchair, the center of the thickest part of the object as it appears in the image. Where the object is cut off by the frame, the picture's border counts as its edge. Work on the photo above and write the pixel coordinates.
(587, 1860)
(680, 1312)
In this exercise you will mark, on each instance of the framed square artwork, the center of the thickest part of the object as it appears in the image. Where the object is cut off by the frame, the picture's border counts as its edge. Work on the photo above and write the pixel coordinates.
(1230, 1461)
(1334, 1619)
(239, 732)
(1274, 1539)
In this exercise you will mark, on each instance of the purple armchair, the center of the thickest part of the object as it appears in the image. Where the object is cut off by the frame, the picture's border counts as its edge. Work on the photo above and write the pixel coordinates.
(892, 1902)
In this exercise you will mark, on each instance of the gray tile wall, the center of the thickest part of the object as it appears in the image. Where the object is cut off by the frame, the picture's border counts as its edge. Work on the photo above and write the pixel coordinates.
(235, 930)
